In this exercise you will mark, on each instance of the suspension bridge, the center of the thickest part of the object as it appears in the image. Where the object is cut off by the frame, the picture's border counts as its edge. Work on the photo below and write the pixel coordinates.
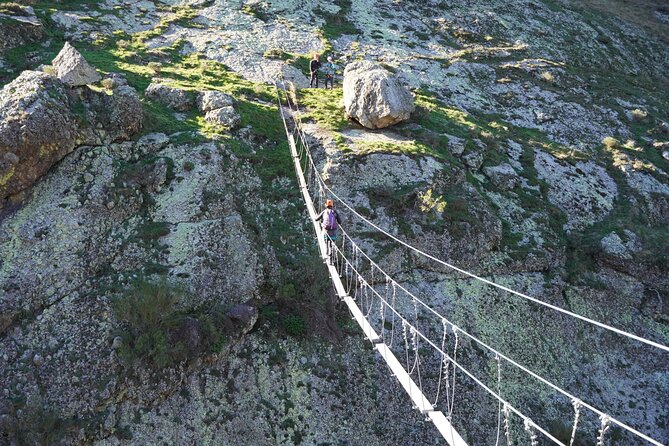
(402, 327)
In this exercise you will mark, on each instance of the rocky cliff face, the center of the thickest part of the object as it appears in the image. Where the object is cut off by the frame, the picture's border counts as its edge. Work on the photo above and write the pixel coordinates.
(537, 156)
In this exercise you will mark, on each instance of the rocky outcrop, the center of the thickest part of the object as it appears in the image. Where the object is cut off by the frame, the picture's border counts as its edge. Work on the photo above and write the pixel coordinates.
(58, 120)
(584, 191)
(175, 98)
(374, 97)
(502, 176)
(218, 109)
(225, 116)
(30, 143)
(211, 100)
(19, 26)
(113, 117)
(72, 69)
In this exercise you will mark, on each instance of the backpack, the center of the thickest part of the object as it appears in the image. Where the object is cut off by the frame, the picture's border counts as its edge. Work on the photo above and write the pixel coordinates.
(330, 220)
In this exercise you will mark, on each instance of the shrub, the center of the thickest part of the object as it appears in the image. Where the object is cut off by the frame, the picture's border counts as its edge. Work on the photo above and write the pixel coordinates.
(148, 310)
(428, 202)
(156, 67)
(294, 324)
(276, 53)
(639, 115)
(153, 230)
(157, 332)
(547, 76)
(188, 166)
(611, 143)
(108, 83)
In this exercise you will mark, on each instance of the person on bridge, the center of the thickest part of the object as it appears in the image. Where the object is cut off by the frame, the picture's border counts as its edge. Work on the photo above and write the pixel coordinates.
(314, 66)
(330, 220)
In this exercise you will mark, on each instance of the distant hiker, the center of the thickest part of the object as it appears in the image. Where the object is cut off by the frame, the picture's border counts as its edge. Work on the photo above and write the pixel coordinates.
(330, 220)
(329, 72)
(314, 65)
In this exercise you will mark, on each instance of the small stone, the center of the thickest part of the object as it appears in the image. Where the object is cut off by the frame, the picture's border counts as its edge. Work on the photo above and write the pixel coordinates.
(117, 343)
(473, 159)
(88, 177)
(38, 360)
(110, 205)
(153, 142)
(53, 344)
(456, 145)
(105, 394)
(665, 154)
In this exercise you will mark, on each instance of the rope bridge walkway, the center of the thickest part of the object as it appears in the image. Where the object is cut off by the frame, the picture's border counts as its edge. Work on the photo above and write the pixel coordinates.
(420, 345)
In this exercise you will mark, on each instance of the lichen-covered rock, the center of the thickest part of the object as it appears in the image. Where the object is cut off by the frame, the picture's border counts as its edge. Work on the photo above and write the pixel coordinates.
(225, 116)
(584, 191)
(172, 97)
(152, 142)
(374, 97)
(30, 143)
(72, 69)
(618, 249)
(119, 114)
(502, 176)
(19, 26)
(211, 100)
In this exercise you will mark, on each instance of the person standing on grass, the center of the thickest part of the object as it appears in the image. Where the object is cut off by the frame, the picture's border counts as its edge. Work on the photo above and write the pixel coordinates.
(314, 66)
(329, 73)
(330, 220)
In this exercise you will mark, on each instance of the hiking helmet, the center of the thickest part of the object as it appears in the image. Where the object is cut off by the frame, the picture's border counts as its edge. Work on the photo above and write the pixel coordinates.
(329, 58)
(329, 203)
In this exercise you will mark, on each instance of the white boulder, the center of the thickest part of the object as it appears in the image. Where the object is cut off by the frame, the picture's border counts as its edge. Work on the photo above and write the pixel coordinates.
(72, 69)
(374, 97)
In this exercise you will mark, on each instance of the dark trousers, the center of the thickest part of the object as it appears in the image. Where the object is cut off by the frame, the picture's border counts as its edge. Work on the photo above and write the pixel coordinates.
(314, 78)
(329, 78)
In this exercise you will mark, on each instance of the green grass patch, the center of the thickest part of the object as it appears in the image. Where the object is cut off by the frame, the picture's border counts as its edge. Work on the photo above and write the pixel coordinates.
(411, 148)
(156, 330)
(324, 107)
(338, 24)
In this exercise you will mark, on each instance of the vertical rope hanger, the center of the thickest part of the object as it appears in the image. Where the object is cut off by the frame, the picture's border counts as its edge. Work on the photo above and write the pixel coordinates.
(577, 413)
(499, 392)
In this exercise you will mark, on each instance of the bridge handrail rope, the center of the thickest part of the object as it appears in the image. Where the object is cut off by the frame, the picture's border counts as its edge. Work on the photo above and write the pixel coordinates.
(501, 355)
(496, 352)
(407, 323)
(575, 401)
(502, 287)
(477, 277)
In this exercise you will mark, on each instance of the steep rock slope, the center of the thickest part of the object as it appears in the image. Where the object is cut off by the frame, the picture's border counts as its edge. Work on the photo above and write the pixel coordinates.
(541, 128)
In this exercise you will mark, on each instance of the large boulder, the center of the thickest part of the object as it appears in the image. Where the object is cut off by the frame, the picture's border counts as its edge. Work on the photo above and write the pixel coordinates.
(72, 69)
(18, 26)
(172, 97)
(31, 142)
(115, 116)
(374, 97)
